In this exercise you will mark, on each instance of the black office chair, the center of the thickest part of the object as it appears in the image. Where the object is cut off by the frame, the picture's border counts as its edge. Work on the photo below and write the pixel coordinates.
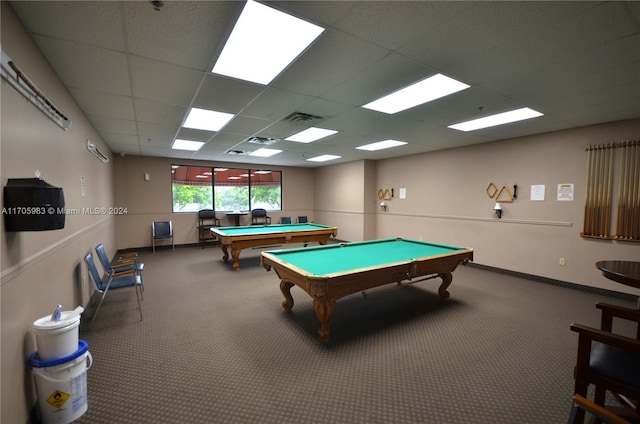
(302, 219)
(259, 216)
(161, 230)
(609, 361)
(206, 221)
(285, 220)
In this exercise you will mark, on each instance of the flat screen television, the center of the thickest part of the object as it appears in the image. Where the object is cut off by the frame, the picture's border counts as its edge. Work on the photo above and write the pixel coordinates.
(30, 204)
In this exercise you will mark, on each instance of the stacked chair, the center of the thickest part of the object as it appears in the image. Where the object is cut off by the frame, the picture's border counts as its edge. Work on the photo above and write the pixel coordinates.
(124, 271)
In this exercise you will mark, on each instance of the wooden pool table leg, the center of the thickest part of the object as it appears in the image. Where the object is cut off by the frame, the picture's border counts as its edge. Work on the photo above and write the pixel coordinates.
(324, 310)
(446, 282)
(235, 254)
(225, 252)
(285, 288)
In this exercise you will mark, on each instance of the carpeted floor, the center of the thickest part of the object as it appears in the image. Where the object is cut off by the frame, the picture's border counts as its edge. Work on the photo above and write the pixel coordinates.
(216, 347)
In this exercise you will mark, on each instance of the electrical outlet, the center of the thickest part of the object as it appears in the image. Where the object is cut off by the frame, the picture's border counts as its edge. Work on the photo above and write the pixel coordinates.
(562, 261)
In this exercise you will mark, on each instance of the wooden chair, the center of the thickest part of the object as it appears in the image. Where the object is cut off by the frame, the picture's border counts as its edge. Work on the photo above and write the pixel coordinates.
(602, 415)
(609, 361)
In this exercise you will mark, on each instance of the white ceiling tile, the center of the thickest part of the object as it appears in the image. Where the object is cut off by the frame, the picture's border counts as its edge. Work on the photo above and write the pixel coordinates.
(104, 104)
(153, 80)
(113, 125)
(90, 68)
(226, 94)
(159, 113)
(92, 23)
(185, 33)
(577, 62)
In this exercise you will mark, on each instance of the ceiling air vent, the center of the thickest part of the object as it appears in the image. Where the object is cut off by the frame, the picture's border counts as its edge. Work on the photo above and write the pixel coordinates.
(237, 152)
(301, 117)
(263, 141)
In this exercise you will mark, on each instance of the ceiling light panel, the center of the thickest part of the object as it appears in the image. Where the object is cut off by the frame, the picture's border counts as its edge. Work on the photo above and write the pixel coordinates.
(380, 145)
(418, 93)
(311, 134)
(263, 42)
(323, 158)
(265, 152)
(497, 119)
(179, 144)
(208, 120)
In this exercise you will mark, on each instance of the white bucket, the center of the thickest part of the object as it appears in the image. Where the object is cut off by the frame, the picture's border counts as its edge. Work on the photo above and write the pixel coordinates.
(57, 339)
(61, 385)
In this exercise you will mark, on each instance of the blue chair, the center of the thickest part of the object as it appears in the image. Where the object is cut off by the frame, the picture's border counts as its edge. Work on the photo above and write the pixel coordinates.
(128, 262)
(302, 219)
(161, 230)
(112, 281)
(285, 220)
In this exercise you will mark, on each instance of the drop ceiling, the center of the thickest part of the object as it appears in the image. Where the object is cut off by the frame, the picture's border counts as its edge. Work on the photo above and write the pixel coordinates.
(136, 71)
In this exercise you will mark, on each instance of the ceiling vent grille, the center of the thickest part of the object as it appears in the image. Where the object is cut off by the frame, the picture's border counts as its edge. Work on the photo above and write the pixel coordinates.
(237, 152)
(263, 141)
(301, 117)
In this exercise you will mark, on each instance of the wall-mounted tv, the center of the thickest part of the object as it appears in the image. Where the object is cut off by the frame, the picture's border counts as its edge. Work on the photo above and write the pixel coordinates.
(30, 204)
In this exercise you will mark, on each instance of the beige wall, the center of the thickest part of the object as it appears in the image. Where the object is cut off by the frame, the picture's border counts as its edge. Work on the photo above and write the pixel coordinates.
(42, 269)
(447, 202)
(148, 201)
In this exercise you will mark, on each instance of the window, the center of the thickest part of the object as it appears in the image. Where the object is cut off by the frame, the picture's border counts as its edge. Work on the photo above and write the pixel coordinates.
(191, 188)
(225, 189)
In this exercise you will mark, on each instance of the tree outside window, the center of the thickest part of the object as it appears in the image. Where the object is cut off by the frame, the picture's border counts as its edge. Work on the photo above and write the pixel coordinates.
(225, 189)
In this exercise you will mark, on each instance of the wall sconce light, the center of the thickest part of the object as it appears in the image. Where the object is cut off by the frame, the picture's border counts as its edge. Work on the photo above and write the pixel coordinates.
(498, 210)
(383, 206)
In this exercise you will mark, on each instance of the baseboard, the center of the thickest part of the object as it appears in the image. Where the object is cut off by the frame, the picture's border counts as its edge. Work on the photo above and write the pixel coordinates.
(559, 283)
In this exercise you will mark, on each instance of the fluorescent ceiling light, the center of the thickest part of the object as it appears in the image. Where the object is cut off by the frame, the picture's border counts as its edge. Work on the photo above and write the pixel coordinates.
(262, 172)
(310, 134)
(263, 42)
(498, 119)
(386, 144)
(323, 158)
(208, 120)
(417, 93)
(187, 145)
(265, 152)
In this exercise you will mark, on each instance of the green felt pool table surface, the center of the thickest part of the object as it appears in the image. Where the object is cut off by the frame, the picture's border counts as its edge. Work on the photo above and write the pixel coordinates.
(238, 238)
(338, 258)
(330, 272)
(267, 229)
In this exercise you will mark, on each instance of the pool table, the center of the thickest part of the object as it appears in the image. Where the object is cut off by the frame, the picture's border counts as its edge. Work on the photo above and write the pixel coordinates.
(238, 238)
(330, 272)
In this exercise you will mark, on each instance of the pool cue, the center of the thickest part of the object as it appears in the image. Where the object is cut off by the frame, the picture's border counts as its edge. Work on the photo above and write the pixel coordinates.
(608, 188)
(636, 191)
(587, 209)
(624, 196)
(598, 189)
